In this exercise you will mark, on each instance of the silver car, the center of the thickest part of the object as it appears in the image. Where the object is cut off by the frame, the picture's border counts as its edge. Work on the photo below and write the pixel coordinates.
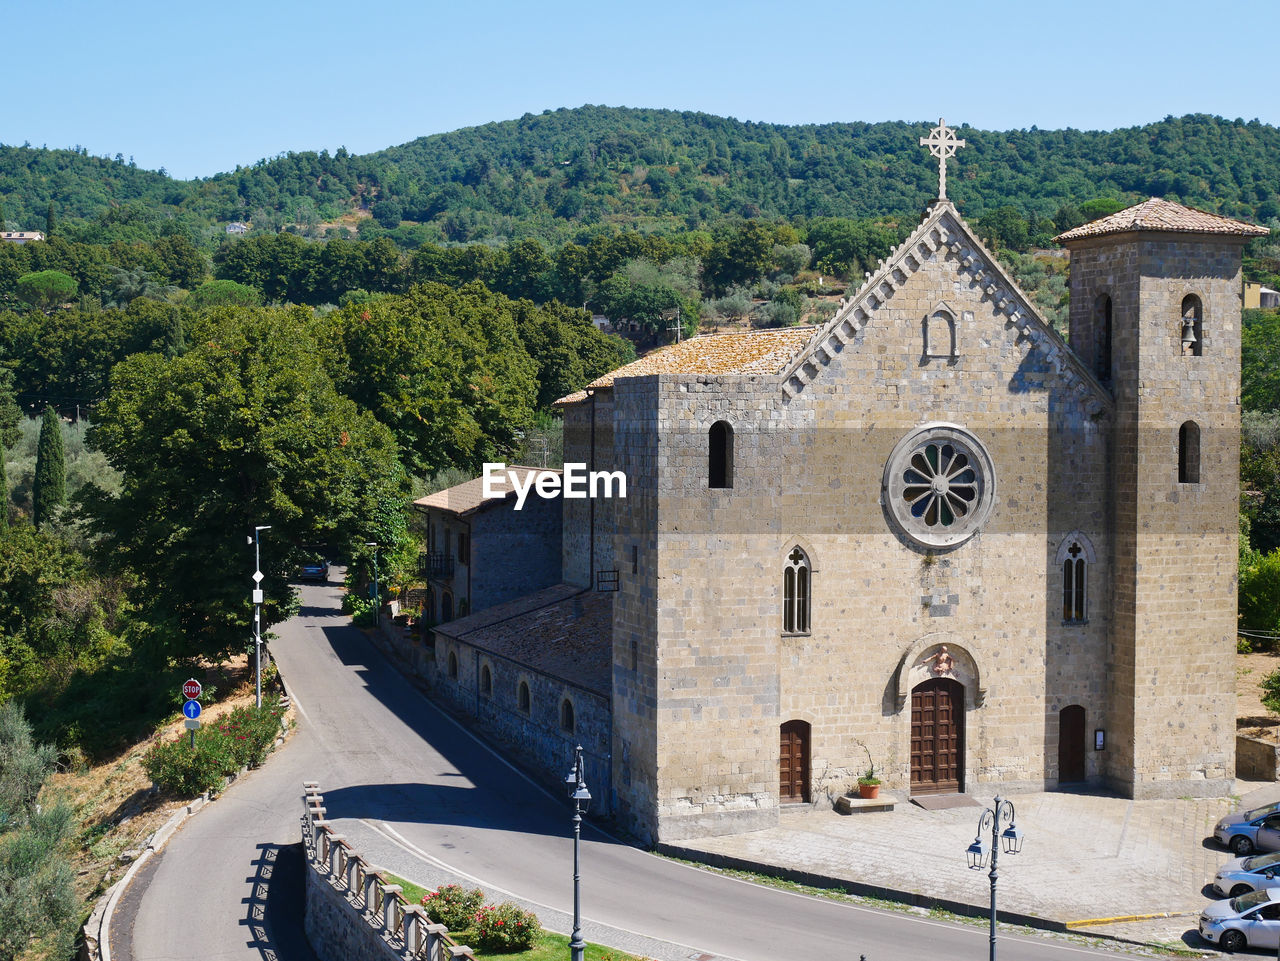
(1248, 831)
(1242, 875)
(1251, 920)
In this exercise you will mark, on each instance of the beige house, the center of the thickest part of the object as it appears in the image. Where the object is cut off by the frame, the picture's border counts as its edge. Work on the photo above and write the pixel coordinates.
(21, 236)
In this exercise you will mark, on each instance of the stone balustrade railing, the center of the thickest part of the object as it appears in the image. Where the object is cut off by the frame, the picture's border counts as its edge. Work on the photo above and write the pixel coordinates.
(353, 914)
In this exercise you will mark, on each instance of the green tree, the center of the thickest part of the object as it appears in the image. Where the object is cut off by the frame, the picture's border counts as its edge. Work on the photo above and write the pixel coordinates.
(1260, 592)
(46, 289)
(224, 293)
(49, 221)
(50, 490)
(244, 428)
(37, 894)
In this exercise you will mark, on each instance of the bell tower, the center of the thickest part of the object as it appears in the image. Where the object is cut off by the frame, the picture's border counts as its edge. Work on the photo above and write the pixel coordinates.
(1155, 313)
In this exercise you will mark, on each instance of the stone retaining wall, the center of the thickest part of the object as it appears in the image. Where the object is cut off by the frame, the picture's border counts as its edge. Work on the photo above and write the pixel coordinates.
(1255, 758)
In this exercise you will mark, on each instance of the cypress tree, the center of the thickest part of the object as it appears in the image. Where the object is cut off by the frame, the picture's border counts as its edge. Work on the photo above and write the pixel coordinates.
(49, 221)
(4, 493)
(49, 491)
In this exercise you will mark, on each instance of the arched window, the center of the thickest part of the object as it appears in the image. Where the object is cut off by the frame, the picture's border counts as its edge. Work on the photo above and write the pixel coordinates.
(1192, 326)
(1075, 555)
(486, 681)
(522, 697)
(453, 665)
(940, 334)
(720, 455)
(796, 593)
(446, 607)
(566, 716)
(1102, 339)
(1189, 453)
(635, 656)
(463, 608)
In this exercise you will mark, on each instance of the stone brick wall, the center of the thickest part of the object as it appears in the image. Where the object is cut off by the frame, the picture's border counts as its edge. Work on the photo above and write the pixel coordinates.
(1174, 590)
(715, 675)
(534, 737)
(587, 544)
(514, 553)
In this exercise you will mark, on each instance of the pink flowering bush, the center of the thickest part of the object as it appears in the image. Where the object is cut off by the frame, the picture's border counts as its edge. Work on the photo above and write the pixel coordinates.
(239, 738)
(505, 927)
(452, 905)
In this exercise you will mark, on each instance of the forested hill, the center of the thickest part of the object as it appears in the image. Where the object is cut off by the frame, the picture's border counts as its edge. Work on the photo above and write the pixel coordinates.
(554, 174)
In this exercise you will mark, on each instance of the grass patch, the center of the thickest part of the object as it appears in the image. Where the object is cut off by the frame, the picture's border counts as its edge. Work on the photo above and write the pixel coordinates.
(548, 947)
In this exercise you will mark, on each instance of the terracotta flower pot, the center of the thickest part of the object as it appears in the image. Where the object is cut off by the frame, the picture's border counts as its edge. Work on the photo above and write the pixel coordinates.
(868, 791)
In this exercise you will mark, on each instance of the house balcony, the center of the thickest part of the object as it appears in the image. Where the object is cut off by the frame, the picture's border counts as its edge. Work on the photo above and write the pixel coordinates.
(435, 564)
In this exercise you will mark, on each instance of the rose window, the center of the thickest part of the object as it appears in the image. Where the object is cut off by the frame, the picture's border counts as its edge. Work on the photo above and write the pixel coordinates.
(939, 485)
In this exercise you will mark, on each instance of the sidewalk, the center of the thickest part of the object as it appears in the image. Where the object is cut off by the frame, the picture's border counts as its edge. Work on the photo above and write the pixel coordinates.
(1085, 856)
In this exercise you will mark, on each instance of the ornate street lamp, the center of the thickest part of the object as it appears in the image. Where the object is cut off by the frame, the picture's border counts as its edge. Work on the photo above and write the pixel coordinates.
(577, 785)
(1011, 838)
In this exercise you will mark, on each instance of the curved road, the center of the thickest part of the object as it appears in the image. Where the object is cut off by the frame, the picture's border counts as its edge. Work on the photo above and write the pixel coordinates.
(419, 795)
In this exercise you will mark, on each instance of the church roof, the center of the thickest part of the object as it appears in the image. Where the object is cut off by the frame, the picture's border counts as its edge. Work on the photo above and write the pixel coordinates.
(468, 497)
(1162, 215)
(738, 352)
(562, 631)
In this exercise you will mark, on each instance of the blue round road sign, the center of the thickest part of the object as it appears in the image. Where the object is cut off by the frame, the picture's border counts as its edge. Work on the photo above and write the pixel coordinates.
(191, 709)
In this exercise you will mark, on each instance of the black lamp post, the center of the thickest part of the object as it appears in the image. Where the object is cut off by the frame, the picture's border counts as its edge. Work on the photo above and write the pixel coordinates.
(577, 786)
(1011, 837)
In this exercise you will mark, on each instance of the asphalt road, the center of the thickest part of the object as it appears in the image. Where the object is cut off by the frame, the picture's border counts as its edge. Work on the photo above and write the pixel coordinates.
(422, 797)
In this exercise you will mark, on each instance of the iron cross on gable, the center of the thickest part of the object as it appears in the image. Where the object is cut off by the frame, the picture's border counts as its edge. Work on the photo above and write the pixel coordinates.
(942, 143)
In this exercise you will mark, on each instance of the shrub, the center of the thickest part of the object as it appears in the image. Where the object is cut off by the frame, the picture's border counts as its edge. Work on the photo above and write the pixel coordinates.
(505, 927)
(1271, 691)
(453, 906)
(244, 736)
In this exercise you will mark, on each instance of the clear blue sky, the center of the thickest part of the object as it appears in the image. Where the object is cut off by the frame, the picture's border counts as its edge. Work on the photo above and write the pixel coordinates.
(199, 88)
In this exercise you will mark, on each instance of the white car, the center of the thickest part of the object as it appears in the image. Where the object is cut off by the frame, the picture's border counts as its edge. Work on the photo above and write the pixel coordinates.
(1251, 920)
(1242, 875)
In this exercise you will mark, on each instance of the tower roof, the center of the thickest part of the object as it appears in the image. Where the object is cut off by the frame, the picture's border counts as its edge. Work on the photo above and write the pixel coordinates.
(1165, 216)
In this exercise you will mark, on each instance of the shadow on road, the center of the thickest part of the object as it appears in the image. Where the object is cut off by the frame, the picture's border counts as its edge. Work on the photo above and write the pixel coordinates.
(275, 908)
(497, 797)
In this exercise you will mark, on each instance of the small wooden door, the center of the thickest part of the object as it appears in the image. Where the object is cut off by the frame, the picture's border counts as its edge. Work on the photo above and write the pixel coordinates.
(1071, 744)
(793, 762)
(937, 737)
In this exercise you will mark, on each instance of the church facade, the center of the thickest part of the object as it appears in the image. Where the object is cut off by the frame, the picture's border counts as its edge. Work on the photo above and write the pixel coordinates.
(929, 535)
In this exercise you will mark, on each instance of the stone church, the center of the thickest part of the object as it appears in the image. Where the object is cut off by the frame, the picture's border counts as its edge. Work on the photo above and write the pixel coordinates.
(929, 535)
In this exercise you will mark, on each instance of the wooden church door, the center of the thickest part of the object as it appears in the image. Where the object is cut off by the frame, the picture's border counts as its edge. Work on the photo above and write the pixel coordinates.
(937, 737)
(1071, 744)
(793, 762)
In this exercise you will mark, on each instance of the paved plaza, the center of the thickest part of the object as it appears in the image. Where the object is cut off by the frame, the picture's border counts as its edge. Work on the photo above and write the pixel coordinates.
(1085, 857)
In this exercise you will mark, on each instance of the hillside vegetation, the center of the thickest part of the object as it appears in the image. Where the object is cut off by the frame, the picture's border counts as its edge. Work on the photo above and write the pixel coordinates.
(559, 173)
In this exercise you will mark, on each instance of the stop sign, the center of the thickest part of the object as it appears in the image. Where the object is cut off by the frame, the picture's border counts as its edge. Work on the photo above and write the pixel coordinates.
(191, 689)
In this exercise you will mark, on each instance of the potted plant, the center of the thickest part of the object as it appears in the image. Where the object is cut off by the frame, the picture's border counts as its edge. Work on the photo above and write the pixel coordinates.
(868, 783)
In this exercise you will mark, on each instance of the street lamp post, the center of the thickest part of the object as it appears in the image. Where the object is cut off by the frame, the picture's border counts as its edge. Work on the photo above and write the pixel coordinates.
(377, 615)
(257, 616)
(1011, 837)
(577, 786)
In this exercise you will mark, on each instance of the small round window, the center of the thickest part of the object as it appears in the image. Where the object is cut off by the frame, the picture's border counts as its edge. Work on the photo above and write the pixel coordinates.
(939, 485)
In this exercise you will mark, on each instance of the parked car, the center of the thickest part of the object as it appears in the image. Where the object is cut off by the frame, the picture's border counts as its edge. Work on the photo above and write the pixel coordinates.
(1248, 831)
(1242, 875)
(1251, 920)
(316, 569)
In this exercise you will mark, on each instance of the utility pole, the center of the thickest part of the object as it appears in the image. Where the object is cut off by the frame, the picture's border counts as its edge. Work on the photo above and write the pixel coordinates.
(257, 616)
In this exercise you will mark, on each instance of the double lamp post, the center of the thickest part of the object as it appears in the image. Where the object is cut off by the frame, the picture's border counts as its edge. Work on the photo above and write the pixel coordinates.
(577, 784)
(1011, 837)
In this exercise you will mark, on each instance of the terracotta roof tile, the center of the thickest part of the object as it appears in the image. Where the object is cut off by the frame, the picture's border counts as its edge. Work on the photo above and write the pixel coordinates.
(563, 631)
(1163, 215)
(739, 352)
(468, 497)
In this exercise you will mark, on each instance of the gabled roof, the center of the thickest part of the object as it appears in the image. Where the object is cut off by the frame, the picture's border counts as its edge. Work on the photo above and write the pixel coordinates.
(943, 232)
(737, 352)
(468, 497)
(1165, 216)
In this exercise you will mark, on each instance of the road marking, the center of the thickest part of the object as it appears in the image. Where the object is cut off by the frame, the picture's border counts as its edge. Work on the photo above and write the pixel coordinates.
(391, 834)
(395, 837)
(1120, 919)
